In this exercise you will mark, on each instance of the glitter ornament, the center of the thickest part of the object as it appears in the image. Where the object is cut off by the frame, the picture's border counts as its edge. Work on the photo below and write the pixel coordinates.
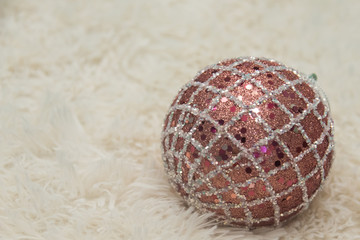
(250, 140)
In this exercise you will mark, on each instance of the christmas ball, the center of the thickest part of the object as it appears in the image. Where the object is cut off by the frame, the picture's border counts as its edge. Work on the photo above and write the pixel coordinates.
(250, 140)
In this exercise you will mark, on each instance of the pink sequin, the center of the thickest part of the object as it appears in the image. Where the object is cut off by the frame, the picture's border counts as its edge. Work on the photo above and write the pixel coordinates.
(289, 183)
(263, 149)
(244, 118)
(207, 163)
(271, 105)
(224, 99)
(281, 180)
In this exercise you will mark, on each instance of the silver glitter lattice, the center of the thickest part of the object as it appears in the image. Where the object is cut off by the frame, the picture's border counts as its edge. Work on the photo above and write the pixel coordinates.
(250, 140)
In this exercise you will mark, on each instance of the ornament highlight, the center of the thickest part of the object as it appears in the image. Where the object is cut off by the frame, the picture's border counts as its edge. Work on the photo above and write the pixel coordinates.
(249, 139)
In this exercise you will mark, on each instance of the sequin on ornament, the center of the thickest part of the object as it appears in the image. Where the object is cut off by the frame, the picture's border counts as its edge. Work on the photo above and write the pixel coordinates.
(249, 139)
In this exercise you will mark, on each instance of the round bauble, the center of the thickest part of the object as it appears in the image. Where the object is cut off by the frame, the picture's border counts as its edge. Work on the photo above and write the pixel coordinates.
(250, 140)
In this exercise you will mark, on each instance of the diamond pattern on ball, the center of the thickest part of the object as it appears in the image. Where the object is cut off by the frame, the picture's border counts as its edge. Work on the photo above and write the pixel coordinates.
(250, 140)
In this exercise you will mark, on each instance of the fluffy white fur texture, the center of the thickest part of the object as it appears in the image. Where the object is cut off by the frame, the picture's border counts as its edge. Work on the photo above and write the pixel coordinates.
(85, 86)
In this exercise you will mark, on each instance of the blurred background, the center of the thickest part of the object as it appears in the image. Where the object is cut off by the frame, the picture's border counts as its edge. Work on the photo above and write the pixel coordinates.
(84, 88)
